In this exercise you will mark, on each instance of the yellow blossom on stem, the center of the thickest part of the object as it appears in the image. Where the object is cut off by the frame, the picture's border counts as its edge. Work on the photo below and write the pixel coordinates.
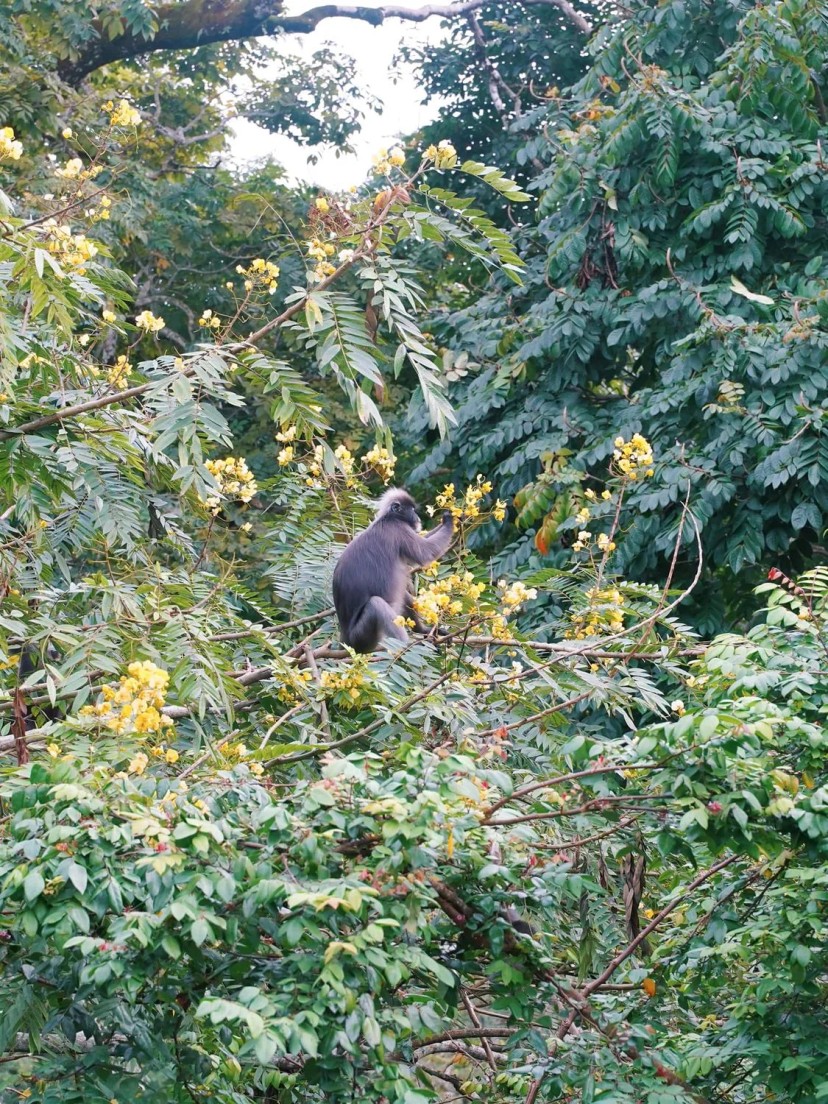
(75, 250)
(124, 115)
(234, 479)
(146, 320)
(382, 461)
(10, 148)
(118, 374)
(515, 595)
(633, 457)
(444, 155)
(261, 273)
(71, 170)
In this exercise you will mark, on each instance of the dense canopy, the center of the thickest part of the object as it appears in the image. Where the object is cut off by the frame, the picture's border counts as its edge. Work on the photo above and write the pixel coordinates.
(567, 844)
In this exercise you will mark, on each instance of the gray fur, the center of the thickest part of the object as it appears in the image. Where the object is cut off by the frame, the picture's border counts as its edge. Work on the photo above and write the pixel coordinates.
(371, 581)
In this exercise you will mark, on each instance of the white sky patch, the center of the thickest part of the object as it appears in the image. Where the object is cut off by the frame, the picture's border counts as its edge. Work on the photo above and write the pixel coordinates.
(373, 49)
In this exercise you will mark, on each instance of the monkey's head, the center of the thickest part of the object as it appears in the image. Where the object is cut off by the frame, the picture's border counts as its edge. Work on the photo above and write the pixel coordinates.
(398, 505)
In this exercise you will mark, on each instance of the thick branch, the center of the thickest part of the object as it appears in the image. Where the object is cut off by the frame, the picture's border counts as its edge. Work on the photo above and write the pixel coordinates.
(184, 26)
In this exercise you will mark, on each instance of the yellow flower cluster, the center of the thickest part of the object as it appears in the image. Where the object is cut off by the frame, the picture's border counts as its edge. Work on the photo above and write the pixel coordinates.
(346, 461)
(444, 155)
(135, 705)
(382, 461)
(604, 542)
(288, 434)
(118, 374)
(385, 160)
(469, 505)
(138, 764)
(590, 494)
(10, 149)
(633, 457)
(146, 320)
(285, 456)
(68, 248)
(315, 468)
(261, 272)
(124, 115)
(210, 320)
(71, 170)
(321, 204)
(449, 595)
(103, 211)
(347, 680)
(604, 614)
(234, 479)
(168, 754)
(293, 685)
(515, 595)
(320, 252)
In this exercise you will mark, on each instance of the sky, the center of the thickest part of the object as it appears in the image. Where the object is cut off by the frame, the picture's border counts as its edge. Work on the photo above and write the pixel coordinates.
(373, 49)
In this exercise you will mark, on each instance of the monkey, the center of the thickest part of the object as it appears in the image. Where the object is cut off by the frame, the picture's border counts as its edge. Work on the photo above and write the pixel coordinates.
(371, 581)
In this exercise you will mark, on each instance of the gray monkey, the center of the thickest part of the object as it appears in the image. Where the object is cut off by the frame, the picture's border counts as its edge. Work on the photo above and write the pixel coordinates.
(371, 581)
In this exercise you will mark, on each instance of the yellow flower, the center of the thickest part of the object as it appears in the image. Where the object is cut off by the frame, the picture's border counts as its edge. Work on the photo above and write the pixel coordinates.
(322, 204)
(262, 273)
(124, 115)
(71, 249)
(171, 755)
(66, 132)
(606, 495)
(109, 316)
(53, 750)
(514, 595)
(444, 155)
(71, 170)
(678, 707)
(139, 764)
(146, 320)
(633, 457)
(499, 511)
(396, 157)
(234, 480)
(287, 435)
(285, 456)
(382, 461)
(119, 372)
(10, 149)
(380, 162)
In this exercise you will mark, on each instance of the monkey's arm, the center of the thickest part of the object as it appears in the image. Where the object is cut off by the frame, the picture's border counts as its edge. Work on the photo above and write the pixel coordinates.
(421, 551)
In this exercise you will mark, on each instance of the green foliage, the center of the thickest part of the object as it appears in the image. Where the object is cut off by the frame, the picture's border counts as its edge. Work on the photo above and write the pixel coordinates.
(239, 862)
(674, 286)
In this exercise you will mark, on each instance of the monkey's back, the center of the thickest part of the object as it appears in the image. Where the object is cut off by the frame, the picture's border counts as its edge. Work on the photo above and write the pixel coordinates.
(369, 567)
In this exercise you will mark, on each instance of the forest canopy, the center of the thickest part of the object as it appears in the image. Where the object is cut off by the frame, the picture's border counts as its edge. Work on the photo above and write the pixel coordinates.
(566, 843)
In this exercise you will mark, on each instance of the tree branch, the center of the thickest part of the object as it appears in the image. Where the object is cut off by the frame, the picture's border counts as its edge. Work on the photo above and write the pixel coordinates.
(185, 26)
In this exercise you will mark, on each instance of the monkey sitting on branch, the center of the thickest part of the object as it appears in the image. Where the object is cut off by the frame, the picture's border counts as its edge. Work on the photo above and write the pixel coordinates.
(371, 581)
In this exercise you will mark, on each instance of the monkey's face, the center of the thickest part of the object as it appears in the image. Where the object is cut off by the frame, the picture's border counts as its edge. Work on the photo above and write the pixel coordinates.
(407, 512)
